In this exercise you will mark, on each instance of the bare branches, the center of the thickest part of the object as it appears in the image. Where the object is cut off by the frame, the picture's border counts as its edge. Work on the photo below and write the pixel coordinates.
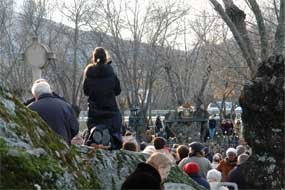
(280, 31)
(276, 9)
(238, 29)
(261, 28)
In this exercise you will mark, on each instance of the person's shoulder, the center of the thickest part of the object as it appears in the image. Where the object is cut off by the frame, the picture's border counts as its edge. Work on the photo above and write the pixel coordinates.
(32, 105)
(109, 68)
(184, 161)
(63, 102)
(89, 69)
(207, 160)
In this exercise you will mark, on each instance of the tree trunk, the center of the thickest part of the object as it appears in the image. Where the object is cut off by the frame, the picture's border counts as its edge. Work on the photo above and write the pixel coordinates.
(263, 108)
(235, 19)
(74, 73)
(280, 31)
(172, 88)
(199, 97)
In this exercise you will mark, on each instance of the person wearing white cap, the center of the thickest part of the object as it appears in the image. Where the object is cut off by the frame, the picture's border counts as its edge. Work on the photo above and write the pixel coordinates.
(227, 164)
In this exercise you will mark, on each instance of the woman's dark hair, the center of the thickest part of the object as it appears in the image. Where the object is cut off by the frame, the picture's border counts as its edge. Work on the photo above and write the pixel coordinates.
(99, 55)
(182, 151)
(159, 143)
(131, 146)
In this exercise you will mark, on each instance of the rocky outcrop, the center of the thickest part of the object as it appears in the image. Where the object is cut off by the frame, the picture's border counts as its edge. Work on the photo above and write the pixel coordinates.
(34, 157)
(264, 121)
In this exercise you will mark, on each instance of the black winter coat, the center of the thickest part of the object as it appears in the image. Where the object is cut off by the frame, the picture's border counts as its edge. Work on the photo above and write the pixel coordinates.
(144, 177)
(237, 176)
(58, 114)
(101, 85)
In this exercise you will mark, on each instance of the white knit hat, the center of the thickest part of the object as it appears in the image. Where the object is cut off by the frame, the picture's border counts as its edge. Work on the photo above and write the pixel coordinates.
(233, 150)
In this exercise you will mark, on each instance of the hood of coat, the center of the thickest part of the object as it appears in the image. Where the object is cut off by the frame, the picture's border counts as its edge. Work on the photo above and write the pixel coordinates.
(100, 71)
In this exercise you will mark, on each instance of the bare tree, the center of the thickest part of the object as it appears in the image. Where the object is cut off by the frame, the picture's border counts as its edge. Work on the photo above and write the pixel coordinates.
(259, 123)
(135, 60)
(78, 13)
(6, 43)
(34, 14)
(235, 19)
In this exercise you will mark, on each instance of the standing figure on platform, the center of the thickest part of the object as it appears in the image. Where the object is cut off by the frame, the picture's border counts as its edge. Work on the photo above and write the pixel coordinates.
(212, 126)
(202, 114)
(158, 124)
(101, 85)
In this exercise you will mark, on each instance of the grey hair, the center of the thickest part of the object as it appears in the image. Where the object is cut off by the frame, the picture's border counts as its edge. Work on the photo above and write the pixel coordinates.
(40, 88)
(242, 158)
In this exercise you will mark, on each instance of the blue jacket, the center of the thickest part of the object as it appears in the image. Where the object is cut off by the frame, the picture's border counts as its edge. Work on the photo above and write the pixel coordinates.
(201, 181)
(58, 114)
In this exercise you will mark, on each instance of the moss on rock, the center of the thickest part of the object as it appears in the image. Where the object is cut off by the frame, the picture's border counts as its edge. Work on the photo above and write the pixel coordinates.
(32, 156)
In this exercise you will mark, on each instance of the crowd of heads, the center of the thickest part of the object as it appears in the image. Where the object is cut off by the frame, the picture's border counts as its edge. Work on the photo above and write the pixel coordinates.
(191, 159)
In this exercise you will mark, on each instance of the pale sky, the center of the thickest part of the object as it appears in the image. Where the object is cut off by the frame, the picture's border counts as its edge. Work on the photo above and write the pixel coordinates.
(196, 10)
(197, 5)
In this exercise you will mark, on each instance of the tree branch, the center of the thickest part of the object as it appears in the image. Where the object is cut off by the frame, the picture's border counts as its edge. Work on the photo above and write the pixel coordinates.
(261, 28)
(280, 31)
(239, 37)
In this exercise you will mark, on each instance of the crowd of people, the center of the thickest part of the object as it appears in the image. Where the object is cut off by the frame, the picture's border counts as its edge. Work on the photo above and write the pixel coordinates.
(104, 124)
(209, 172)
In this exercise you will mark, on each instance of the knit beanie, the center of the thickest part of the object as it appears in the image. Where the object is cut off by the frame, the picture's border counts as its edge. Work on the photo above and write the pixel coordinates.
(191, 168)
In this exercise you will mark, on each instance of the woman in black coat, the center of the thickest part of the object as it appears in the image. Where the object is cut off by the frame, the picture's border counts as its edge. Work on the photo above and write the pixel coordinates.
(101, 85)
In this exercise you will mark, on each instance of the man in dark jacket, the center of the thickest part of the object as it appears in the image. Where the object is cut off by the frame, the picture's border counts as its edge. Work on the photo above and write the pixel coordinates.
(57, 113)
(237, 175)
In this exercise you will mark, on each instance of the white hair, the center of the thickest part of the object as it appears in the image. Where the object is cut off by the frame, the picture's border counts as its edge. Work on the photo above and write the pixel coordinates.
(232, 150)
(242, 158)
(40, 88)
(214, 175)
